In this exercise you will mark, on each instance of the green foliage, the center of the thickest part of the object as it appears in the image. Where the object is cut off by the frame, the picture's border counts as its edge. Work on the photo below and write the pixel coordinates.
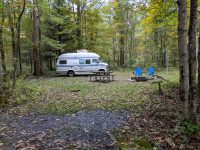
(1, 6)
(142, 24)
(143, 144)
(25, 92)
(161, 14)
(52, 44)
(190, 131)
(159, 29)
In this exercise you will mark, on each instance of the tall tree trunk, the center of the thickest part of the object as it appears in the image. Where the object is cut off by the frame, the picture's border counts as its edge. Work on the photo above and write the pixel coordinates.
(14, 56)
(122, 29)
(15, 36)
(2, 63)
(165, 51)
(161, 63)
(50, 64)
(199, 65)
(40, 48)
(1, 47)
(183, 56)
(192, 58)
(114, 52)
(131, 45)
(156, 42)
(78, 23)
(174, 57)
(36, 40)
(121, 53)
(17, 46)
(2, 92)
(20, 61)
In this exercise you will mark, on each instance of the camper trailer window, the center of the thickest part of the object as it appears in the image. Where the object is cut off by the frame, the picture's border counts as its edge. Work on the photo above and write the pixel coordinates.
(63, 62)
(100, 60)
(94, 61)
(88, 61)
(81, 61)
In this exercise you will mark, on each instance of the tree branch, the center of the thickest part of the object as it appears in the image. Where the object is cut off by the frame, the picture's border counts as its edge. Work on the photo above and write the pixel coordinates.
(23, 9)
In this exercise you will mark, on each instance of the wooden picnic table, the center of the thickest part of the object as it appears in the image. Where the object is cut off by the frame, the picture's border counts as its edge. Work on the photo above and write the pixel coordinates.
(102, 76)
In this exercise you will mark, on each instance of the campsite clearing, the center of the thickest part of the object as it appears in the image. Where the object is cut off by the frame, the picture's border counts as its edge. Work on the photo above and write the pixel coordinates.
(68, 113)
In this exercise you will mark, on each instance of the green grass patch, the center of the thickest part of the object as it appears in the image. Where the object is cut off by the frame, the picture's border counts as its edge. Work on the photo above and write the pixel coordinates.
(62, 95)
(25, 92)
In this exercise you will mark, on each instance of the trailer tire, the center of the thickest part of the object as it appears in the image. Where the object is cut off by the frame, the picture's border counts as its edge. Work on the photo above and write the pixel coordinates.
(71, 73)
(102, 70)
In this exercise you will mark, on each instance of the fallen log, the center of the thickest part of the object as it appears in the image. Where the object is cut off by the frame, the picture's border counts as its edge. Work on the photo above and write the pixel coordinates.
(138, 79)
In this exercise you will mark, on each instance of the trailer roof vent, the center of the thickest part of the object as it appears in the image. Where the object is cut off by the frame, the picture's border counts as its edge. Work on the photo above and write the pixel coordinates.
(82, 51)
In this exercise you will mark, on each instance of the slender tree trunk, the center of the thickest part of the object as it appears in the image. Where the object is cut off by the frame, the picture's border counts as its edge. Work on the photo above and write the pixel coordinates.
(1, 47)
(122, 34)
(161, 49)
(20, 61)
(174, 57)
(36, 40)
(2, 64)
(14, 54)
(121, 53)
(15, 36)
(78, 23)
(199, 65)
(50, 63)
(114, 52)
(15, 64)
(118, 60)
(2, 92)
(192, 59)
(40, 48)
(156, 42)
(165, 51)
(131, 45)
(32, 60)
(183, 56)
(17, 46)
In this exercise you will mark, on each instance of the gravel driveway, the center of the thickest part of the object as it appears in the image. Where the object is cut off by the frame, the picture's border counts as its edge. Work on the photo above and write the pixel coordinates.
(83, 130)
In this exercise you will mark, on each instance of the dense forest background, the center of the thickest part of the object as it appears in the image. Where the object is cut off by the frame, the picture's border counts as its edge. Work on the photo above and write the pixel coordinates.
(125, 33)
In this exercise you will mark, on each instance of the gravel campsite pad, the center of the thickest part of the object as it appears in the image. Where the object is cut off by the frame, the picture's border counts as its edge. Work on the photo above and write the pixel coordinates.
(83, 130)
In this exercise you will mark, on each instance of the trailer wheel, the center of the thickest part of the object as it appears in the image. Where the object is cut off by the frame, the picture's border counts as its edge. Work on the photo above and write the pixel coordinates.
(71, 73)
(102, 70)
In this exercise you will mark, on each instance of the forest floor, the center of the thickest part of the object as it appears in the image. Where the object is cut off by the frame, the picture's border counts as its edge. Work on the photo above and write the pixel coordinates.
(73, 113)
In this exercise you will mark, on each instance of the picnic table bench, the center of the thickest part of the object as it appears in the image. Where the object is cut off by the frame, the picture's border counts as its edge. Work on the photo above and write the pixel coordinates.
(102, 76)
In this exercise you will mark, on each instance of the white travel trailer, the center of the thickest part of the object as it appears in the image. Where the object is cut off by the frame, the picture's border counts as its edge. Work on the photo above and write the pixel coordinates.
(80, 63)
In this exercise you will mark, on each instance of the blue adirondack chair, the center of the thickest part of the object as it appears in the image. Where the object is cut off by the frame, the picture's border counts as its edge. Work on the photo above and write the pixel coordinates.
(151, 72)
(138, 72)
